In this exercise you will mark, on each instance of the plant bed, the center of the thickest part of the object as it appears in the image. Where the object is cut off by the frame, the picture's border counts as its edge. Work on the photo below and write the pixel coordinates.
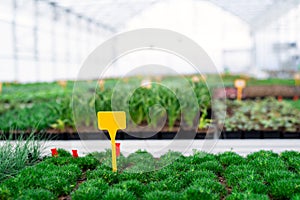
(252, 135)
(52, 112)
(260, 134)
(252, 92)
(232, 134)
(259, 175)
(270, 134)
(291, 135)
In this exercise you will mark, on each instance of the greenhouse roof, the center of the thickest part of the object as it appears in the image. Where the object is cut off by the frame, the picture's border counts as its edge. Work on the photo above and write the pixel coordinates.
(112, 15)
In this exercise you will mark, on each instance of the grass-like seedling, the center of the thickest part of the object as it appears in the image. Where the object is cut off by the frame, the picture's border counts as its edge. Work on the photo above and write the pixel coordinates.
(17, 154)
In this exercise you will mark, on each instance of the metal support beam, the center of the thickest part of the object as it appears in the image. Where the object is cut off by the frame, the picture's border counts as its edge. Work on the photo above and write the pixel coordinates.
(15, 41)
(71, 12)
(79, 39)
(67, 40)
(53, 39)
(35, 39)
(273, 13)
(253, 51)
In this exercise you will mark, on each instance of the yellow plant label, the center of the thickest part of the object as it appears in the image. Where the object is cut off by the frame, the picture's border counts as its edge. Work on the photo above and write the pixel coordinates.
(297, 79)
(112, 121)
(240, 83)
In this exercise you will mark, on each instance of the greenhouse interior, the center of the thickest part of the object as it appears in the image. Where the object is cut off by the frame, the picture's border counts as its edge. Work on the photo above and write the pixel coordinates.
(150, 100)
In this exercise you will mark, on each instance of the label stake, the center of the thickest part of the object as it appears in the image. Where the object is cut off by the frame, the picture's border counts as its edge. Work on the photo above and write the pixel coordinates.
(112, 122)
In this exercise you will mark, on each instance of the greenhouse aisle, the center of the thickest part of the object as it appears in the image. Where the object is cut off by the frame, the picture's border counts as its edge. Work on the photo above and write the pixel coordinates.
(160, 147)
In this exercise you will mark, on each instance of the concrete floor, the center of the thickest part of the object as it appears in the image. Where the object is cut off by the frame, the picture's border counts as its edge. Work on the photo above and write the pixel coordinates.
(160, 147)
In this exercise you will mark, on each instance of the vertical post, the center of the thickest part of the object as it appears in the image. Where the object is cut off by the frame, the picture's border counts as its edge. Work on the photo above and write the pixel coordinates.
(113, 153)
(15, 41)
(79, 39)
(35, 39)
(88, 35)
(239, 93)
(253, 51)
(67, 40)
(53, 39)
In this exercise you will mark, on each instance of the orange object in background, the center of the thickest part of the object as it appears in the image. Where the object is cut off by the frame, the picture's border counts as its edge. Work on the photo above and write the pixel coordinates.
(0, 88)
(54, 152)
(280, 98)
(101, 84)
(295, 98)
(62, 84)
(74, 153)
(195, 79)
(146, 83)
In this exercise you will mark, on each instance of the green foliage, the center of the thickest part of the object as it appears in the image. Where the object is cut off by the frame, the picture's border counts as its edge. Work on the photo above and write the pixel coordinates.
(263, 114)
(296, 197)
(91, 189)
(211, 186)
(158, 195)
(248, 196)
(201, 176)
(252, 186)
(63, 153)
(83, 163)
(195, 175)
(143, 177)
(230, 158)
(262, 154)
(170, 183)
(199, 158)
(134, 186)
(169, 158)
(199, 193)
(266, 161)
(273, 176)
(116, 193)
(268, 164)
(30, 194)
(292, 160)
(59, 180)
(286, 188)
(49, 106)
(5, 193)
(141, 157)
(107, 175)
(213, 166)
(244, 173)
